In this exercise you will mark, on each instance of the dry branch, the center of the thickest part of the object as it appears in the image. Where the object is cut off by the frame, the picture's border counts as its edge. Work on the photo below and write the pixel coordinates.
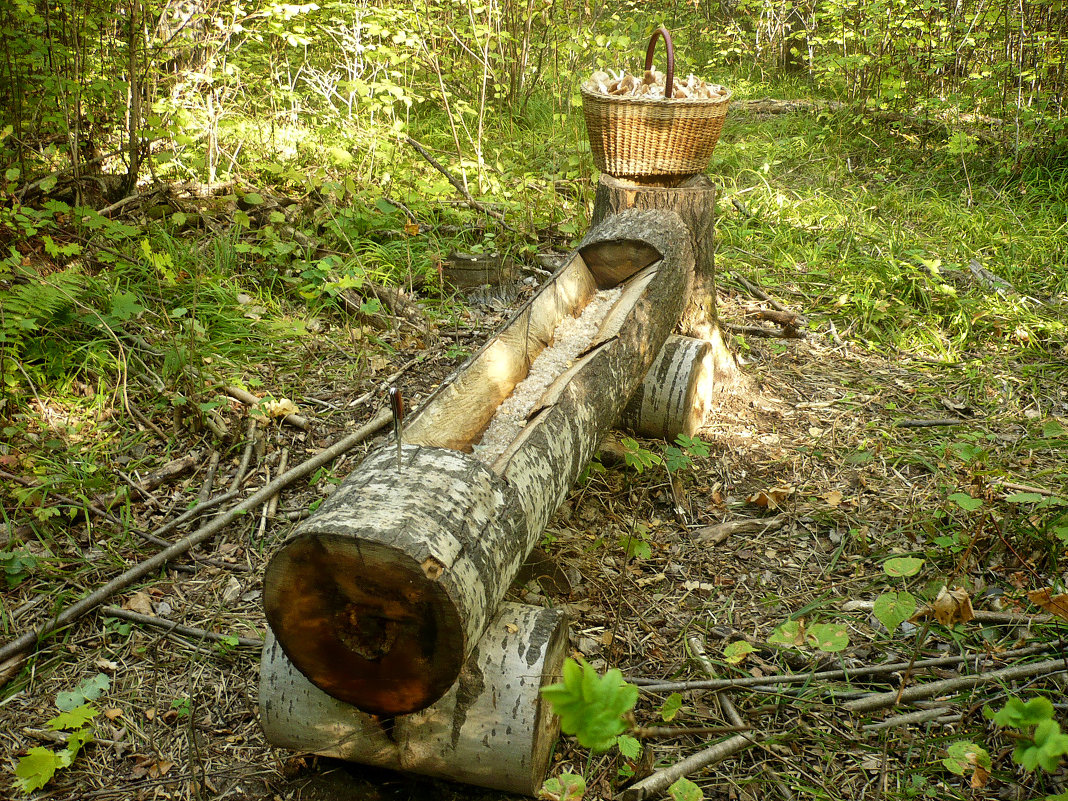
(171, 627)
(878, 701)
(719, 532)
(458, 186)
(23, 643)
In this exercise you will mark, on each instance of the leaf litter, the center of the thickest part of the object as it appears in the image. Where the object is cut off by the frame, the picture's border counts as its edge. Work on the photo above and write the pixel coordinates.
(809, 431)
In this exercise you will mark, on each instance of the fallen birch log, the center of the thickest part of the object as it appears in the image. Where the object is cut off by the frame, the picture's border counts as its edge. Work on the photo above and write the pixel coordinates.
(382, 594)
(676, 394)
(492, 728)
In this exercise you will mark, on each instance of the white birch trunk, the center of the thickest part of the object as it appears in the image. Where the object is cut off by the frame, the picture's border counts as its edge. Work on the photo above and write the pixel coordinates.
(676, 394)
(492, 728)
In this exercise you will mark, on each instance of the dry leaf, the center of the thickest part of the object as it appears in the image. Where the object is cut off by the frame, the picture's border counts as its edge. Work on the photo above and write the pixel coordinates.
(833, 498)
(511, 628)
(160, 768)
(952, 606)
(772, 498)
(1054, 604)
(139, 602)
(107, 665)
(980, 776)
(232, 591)
(112, 713)
(280, 407)
(411, 228)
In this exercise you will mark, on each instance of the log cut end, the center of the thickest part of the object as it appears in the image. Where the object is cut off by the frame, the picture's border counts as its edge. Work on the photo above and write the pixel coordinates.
(364, 622)
(676, 394)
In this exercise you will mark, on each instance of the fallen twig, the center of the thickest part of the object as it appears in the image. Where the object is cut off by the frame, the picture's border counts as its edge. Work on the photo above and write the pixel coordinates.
(170, 627)
(145, 485)
(25, 642)
(945, 421)
(919, 716)
(459, 186)
(663, 779)
(975, 661)
(878, 701)
(719, 532)
(759, 331)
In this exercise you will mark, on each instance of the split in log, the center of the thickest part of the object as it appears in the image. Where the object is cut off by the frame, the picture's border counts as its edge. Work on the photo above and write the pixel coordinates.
(492, 728)
(381, 595)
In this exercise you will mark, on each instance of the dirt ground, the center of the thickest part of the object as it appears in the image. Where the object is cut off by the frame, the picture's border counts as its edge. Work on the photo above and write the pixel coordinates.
(809, 426)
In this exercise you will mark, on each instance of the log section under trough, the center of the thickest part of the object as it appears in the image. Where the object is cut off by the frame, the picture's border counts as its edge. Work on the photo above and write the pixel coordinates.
(492, 728)
(380, 596)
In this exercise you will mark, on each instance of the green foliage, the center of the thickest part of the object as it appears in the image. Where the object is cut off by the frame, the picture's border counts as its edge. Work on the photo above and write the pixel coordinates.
(963, 757)
(1041, 744)
(89, 690)
(894, 608)
(682, 789)
(565, 787)
(591, 707)
(37, 768)
(902, 566)
(17, 566)
(670, 708)
(636, 457)
(827, 637)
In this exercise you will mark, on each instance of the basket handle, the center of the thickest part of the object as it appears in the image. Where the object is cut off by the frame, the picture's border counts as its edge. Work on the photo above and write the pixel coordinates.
(670, 47)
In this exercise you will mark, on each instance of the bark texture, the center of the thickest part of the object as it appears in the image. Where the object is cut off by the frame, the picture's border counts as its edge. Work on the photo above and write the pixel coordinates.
(380, 596)
(675, 395)
(492, 728)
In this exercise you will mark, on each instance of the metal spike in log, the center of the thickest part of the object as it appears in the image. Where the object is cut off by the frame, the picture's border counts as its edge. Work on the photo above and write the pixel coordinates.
(492, 728)
(380, 596)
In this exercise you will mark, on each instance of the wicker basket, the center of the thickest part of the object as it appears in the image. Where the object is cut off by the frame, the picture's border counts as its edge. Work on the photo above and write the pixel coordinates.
(632, 136)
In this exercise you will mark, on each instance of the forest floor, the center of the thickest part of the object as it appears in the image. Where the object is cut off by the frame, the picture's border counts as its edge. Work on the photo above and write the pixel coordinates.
(846, 456)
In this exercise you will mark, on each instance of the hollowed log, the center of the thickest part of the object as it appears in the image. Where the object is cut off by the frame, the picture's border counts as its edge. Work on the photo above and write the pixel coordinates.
(381, 595)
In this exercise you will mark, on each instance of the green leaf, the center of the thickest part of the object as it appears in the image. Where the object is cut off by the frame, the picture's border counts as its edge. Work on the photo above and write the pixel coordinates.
(36, 769)
(685, 790)
(894, 608)
(591, 707)
(254, 199)
(694, 445)
(671, 707)
(637, 457)
(1053, 429)
(12, 173)
(829, 637)
(736, 652)
(1047, 749)
(963, 756)
(788, 633)
(676, 459)
(966, 502)
(88, 690)
(1018, 714)
(74, 718)
(48, 184)
(1025, 497)
(629, 746)
(124, 306)
(566, 787)
(902, 566)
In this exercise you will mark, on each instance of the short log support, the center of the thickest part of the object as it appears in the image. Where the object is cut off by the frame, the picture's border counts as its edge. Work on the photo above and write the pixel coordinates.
(492, 728)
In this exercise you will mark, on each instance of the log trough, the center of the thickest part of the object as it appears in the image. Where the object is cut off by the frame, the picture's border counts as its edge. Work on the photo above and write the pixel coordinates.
(390, 644)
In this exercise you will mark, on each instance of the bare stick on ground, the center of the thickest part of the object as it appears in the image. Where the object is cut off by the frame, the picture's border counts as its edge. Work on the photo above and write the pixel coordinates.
(20, 645)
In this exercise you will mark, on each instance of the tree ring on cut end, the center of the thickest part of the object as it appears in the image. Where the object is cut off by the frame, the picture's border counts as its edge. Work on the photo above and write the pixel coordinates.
(363, 622)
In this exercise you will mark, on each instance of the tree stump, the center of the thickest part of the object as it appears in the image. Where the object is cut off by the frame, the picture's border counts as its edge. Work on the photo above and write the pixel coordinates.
(381, 595)
(492, 728)
(694, 200)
